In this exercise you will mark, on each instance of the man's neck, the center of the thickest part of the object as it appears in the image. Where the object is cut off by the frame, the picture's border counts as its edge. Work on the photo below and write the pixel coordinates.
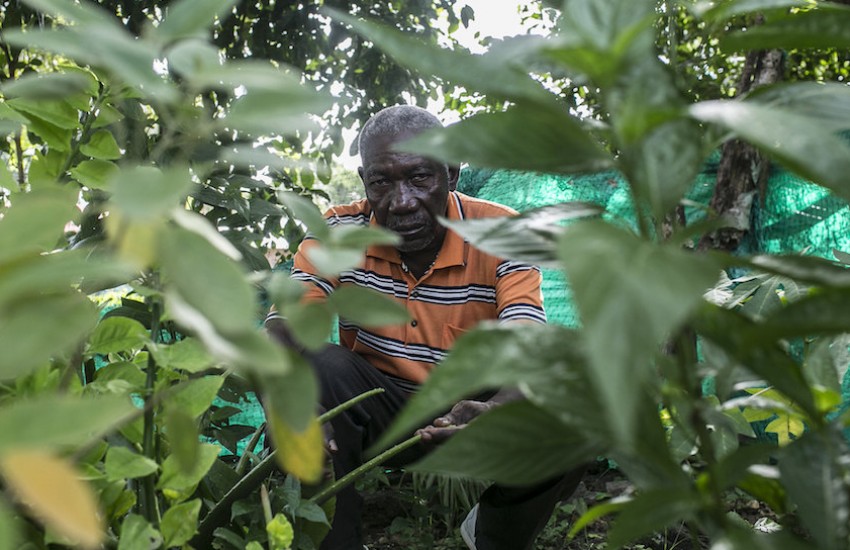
(418, 263)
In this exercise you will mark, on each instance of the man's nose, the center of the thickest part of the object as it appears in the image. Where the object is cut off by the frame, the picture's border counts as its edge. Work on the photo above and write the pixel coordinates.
(403, 199)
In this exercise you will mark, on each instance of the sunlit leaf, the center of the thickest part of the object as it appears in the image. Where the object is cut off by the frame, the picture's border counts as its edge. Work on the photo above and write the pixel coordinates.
(122, 463)
(541, 138)
(330, 262)
(117, 334)
(187, 354)
(101, 145)
(138, 534)
(714, 11)
(182, 431)
(299, 452)
(173, 477)
(180, 522)
(195, 396)
(49, 87)
(58, 113)
(95, 173)
(73, 12)
(52, 489)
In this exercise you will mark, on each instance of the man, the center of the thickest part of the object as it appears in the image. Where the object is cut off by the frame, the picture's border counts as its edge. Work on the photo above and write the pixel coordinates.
(448, 287)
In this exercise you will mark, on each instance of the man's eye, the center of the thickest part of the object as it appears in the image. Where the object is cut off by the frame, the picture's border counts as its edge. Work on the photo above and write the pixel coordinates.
(378, 183)
(419, 178)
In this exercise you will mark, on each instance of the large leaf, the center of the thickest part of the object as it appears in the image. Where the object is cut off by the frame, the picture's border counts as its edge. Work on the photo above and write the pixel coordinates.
(514, 444)
(816, 482)
(281, 112)
(826, 102)
(741, 340)
(366, 307)
(826, 26)
(806, 269)
(190, 18)
(58, 113)
(208, 281)
(54, 492)
(116, 334)
(145, 192)
(138, 534)
(174, 478)
(55, 421)
(99, 45)
(196, 395)
(823, 313)
(490, 358)
(187, 354)
(180, 522)
(653, 511)
(715, 11)
(293, 396)
(101, 145)
(37, 328)
(799, 142)
(299, 451)
(35, 222)
(72, 12)
(529, 137)
(122, 463)
(491, 76)
(529, 237)
(631, 294)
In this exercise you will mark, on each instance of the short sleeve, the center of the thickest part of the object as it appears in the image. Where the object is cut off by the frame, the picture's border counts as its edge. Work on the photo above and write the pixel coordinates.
(518, 293)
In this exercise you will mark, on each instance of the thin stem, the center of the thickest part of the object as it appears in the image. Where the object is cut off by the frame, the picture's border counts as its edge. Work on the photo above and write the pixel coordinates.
(348, 404)
(353, 475)
(84, 132)
(249, 449)
(19, 153)
(148, 447)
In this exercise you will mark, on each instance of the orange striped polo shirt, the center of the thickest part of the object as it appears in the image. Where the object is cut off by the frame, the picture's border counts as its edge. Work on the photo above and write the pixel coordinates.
(464, 287)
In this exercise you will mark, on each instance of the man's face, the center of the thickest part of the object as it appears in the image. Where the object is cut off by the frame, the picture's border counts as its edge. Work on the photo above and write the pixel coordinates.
(407, 193)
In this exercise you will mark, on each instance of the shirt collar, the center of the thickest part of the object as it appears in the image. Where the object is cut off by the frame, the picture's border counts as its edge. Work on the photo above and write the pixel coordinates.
(454, 249)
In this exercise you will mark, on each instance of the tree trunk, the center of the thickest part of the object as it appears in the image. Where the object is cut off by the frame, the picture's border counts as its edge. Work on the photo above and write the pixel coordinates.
(743, 169)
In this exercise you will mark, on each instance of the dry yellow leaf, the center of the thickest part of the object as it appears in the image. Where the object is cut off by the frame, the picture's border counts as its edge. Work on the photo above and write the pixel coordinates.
(53, 490)
(299, 453)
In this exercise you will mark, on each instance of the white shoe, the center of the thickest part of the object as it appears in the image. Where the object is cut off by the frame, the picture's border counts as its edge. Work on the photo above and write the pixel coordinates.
(467, 528)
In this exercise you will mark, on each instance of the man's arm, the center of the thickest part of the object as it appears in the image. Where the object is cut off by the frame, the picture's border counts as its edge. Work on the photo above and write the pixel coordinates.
(462, 414)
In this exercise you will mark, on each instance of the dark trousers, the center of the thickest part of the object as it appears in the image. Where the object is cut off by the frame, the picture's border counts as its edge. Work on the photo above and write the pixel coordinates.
(509, 518)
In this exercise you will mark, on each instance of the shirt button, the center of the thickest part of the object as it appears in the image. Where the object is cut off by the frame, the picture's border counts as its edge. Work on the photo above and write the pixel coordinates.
(414, 294)
(413, 323)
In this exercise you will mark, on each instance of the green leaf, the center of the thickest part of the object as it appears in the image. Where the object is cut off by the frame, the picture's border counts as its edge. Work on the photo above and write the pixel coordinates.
(330, 262)
(191, 55)
(47, 87)
(220, 292)
(825, 26)
(35, 222)
(489, 75)
(182, 431)
(279, 112)
(146, 193)
(716, 11)
(539, 138)
(138, 534)
(191, 18)
(652, 511)
(310, 323)
(740, 339)
(797, 141)
(826, 102)
(736, 466)
(95, 174)
(813, 475)
(57, 113)
(305, 211)
(806, 269)
(618, 279)
(659, 174)
(293, 396)
(9, 537)
(116, 334)
(366, 307)
(54, 421)
(101, 145)
(596, 512)
(187, 354)
(529, 237)
(102, 45)
(123, 371)
(514, 444)
(57, 138)
(361, 237)
(34, 329)
(195, 396)
(533, 355)
(768, 489)
(823, 313)
(73, 12)
(122, 463)
(173, 477)
(180, 522)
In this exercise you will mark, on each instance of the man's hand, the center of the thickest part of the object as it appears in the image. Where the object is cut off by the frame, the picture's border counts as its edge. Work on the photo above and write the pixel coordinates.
(445, 426)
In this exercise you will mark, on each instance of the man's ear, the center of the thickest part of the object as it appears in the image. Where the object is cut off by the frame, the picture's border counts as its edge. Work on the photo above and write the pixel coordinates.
(454, 174)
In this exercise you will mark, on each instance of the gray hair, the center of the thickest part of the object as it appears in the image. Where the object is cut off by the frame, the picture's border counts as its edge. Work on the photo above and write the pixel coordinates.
(393, 121)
